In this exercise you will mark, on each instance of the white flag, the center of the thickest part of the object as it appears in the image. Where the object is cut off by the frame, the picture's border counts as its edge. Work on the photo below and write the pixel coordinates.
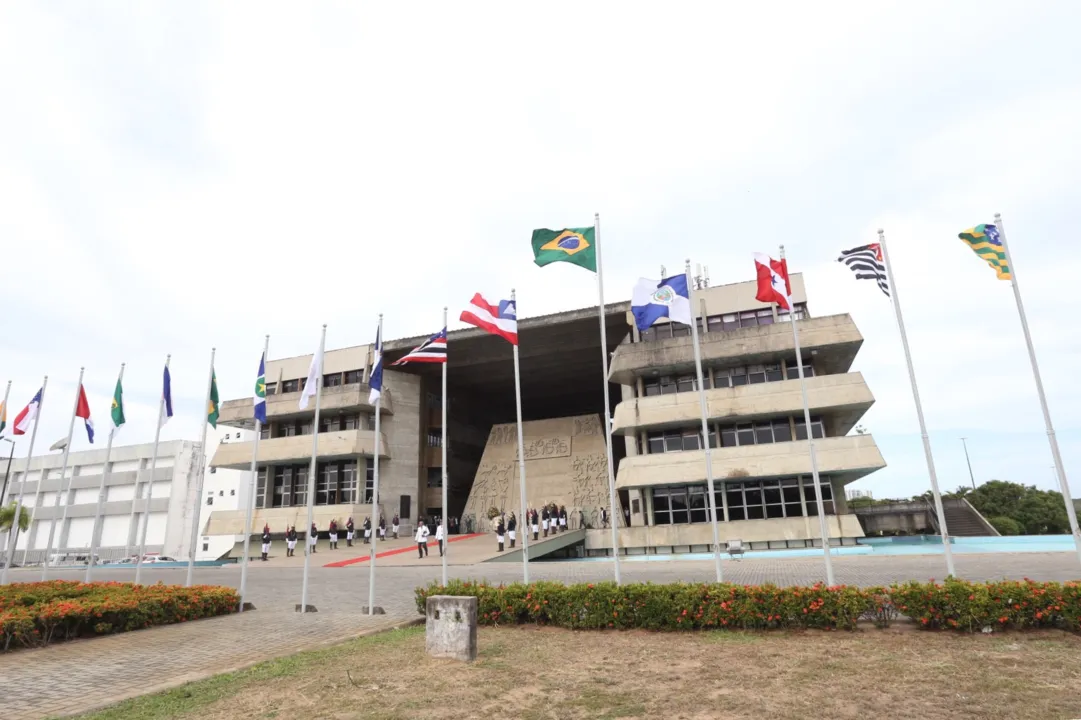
(315, 370)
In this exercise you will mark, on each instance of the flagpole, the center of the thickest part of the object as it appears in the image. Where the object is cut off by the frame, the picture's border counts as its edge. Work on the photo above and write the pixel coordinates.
(1060, 471)
(375, 474)
(607, 401)
(95, 533)
(61, 490)
(705, 425)
(446, 537)
(3, 418)
(250, 509)
(14, 531)
(197, 506)
(311, 473)
(521, 447)
(822, 527)
(939, 512)
(150, 483)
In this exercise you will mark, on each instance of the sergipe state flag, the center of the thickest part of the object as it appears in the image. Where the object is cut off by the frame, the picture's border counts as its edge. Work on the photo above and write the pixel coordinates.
(773, 284)
(652, 300)
(82, 410)
(501, 319)
(375, 381)
(27, 415)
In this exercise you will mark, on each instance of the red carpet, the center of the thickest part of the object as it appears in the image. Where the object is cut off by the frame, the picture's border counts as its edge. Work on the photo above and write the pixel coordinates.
(398, 551)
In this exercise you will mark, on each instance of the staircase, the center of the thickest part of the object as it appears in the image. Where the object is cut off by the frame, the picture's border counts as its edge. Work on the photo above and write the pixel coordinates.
(962, 520)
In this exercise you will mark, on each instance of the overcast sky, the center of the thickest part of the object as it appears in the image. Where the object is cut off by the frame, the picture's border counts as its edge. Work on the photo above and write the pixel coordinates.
(180, 176)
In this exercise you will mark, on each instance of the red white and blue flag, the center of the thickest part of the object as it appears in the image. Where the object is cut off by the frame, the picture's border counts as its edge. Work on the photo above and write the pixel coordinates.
(501, 319)
(82, 410)
(26, 418)
(432, 350)
(773, 284)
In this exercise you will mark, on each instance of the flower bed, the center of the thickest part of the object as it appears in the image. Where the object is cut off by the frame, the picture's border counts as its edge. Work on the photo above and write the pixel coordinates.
(954, 604)
(35, 614)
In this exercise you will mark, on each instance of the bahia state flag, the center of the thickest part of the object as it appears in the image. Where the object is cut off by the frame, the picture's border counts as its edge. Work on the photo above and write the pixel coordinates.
(574, 245)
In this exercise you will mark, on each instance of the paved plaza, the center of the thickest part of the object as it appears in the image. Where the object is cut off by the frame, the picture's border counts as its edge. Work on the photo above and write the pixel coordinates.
(74, 677)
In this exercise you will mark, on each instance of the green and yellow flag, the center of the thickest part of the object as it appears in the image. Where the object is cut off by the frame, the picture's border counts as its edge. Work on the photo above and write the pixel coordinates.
(118, 405)
(985, 242)
(573, 245)
(212, 406)
(3, 416)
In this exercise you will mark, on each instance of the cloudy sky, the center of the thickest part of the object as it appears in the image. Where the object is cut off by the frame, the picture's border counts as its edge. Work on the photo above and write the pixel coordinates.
(177, 177)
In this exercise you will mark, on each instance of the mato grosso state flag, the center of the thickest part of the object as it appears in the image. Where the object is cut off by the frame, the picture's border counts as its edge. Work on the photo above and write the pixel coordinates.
(985, 242)
(573, 245)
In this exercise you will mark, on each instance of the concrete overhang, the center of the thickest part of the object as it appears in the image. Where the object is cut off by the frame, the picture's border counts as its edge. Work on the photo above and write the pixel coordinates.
(843, 458)
(231, 522)
(298, 448)
(831, 341)
(842, 399)
(332, 400)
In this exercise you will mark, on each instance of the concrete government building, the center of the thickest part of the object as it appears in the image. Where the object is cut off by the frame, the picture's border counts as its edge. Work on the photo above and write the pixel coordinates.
(761, 461)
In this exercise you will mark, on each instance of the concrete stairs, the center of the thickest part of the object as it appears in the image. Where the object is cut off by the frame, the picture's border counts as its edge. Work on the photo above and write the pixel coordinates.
(962, 520)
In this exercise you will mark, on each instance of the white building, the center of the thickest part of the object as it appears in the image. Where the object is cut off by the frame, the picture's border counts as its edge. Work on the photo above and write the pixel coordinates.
(223, 489)
(171, 504)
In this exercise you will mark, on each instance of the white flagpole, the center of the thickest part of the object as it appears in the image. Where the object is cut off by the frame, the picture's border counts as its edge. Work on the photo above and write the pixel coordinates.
(312, 467)
(607, 412)
(521, 448)
(822, 527)
(197, 505)
(13, 534)
(375, 475)
(95, 533)
(939, 512)
(250, 509)
(150, 482)
(1060, 471)
(446, 537)
(61, 490)
(3, 409)
(705, 425)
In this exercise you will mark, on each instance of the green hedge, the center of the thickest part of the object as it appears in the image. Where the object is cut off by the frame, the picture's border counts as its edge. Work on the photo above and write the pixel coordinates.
(35, 614)
(954, 604)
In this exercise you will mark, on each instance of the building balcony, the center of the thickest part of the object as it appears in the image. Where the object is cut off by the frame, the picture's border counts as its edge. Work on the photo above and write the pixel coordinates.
(844, 458)
(843, 398)
(298, 448)
(238, 413)
(831, 341)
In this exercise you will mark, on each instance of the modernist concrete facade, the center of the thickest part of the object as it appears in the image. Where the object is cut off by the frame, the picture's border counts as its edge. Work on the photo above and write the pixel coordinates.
(170, 509)
(223, 489)
(761, 459)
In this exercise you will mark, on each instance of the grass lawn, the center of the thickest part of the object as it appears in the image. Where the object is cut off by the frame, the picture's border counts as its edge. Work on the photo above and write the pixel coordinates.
(531, 673)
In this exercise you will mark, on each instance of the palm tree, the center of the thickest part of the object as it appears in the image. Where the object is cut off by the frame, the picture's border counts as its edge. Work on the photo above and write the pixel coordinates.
(7, 516)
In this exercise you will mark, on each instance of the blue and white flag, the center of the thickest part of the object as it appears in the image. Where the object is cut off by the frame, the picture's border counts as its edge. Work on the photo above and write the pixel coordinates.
(652, 300)
(167, 396)
(260, 391)
(375, 381)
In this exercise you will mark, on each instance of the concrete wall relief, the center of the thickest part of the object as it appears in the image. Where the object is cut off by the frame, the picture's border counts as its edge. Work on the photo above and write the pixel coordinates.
(491, 488)
(587, 425)
(549, 447)
(503, 435)
(589, 481)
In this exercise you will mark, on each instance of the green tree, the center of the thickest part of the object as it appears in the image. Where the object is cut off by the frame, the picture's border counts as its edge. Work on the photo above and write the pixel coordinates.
(1038, 512)
(1006, 526)
(7, 515)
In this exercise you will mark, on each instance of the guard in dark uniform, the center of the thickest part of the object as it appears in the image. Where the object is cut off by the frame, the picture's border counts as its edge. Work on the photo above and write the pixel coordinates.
(382, 528)
(266, 542)
(350, 528)
(367, 530)
(290, 541)
(332, 533)
(313, 537)
(544, 519)
(512, 526)
(534, 520)
(500, 531)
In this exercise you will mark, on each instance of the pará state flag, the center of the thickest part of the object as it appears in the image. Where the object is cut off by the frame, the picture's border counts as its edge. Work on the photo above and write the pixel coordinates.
(375, 382)
(652, 300)
(82, 410)
(773, 284)
(260, 392)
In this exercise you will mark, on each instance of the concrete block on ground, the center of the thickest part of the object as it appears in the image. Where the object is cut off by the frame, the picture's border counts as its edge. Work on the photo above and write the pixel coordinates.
(450, 629)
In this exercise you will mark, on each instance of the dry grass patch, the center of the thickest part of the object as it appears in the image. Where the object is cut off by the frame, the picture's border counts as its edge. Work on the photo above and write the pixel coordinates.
(532, 673)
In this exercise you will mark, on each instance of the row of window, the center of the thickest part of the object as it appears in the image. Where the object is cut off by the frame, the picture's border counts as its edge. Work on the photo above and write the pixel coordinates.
(722, 323)
(348, 377)
(750, 500)
(724, 378)
(335, 484)
(763, 432)
(327, 423)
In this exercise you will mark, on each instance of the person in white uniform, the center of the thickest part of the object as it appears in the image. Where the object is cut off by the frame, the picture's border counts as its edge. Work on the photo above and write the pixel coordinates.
(422, 538)
(439, 537)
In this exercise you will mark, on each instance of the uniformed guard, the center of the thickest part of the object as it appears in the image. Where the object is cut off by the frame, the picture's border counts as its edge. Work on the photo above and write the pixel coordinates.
(266, 541)
(562, 518)
(291, 541)
(544, 520)
(332, 534)
(367, 530)
(395, 523)
(533, 521)
(313, 537)
(382, 527)
(350, 529)
(512, 526)
(500, 531)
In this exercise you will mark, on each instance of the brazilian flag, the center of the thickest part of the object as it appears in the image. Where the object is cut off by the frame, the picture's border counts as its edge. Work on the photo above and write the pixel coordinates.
(573, 245)
(212, 406)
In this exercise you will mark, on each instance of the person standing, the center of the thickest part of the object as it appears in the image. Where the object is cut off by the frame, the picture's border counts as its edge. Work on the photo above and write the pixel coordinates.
(350, 530)
(332, 534)
(500, 532)
(313, 537)
(512, 525)
(562, 518)
(422, 539)
(439, 537)
(604, 517)
(266, 541)
(382, 527)
(533, 522)
(544, 520)
(367, 530)
(581, 518)
(291, 541)
(395, 523)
